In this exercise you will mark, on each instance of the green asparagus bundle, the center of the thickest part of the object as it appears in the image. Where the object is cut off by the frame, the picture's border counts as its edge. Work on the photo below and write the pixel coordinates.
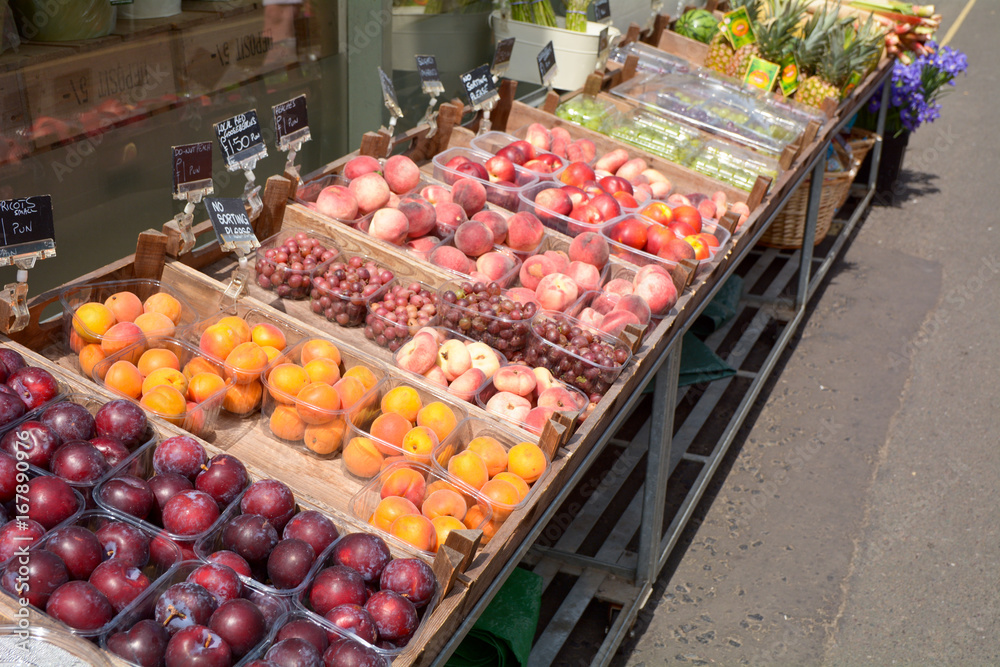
(576, 15)
(543, 14)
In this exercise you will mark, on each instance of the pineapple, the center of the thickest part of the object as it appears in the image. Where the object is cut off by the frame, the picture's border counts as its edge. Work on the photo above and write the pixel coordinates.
(809, 49)
(720, 51)
(775, 36)
(848, 50)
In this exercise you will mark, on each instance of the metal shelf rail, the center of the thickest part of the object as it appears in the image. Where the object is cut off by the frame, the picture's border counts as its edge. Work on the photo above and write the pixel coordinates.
(636, 572)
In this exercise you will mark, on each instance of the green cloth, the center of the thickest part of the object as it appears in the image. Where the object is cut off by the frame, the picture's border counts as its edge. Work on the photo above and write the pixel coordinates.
(700, 364)
(503, 634)
(721, 309)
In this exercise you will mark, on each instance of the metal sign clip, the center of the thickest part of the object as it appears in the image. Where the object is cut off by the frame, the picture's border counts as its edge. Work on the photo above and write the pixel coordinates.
(14, 299)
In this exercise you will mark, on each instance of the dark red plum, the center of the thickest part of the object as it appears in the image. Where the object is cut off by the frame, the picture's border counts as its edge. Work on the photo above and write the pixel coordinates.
(269, 498)
(335, 586)
(289, 563)
(223, 479)
(190, 513)
(164, 552)
(123, 420)
(304, 629)
(128, 494)
(240, 623)
(395, 617)
(112, 448)
(35, 386)
(15, 535)
(312, 527)
(354, 619)
(79, 461)
(250, 536)
(35, 439)
(365, 553)
(294, 652)
(349, 653)
(219, 580)
(232, 560)
(8, 477)
(12, 408)
(46, 572)
(180, 454)
(69, 421)
(165, 487)
(119, 582)
(144, 644)
(184, 605)
(124, 541)
(11, 360)
(197, 646)
(51, 501)
(80, 606)
(412, 578)
(79, 549)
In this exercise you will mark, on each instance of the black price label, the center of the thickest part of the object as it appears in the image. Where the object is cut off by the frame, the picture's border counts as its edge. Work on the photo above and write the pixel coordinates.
(479, 85)
(291, 118)
(240, 138)
(428, 68)
(192, 167)
(27, 228)
(389, 93)
(230, 221)
(602, 10)
(547, 63)
(501, 57)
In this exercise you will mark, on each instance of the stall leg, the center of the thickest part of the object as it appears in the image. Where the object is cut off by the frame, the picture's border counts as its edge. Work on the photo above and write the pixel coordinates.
(658, 467)
(880, 131)
(806, 254)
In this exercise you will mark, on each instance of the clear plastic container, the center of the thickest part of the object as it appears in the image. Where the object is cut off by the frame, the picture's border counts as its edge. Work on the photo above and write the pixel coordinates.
(650, 59)
(365, 454)
(319, 432)
(668, 139)
(144, 607)
(199, 417)
(491, 142)
(296, 614)
(504, 334)
(550, 218)
(602, 304)
(253, 317)
(387, 333)
(501, 193)
(140, 464)
(632, 255)
(446, 334)
(420, 637)
(586, 110)
(77, 333)
(43, 645)
(212, 542)
(574, 401)
(308, 193)
(366, 501)
(276, 271)
(458, 442)
(342, 309)
(731, 164)
(592, 378)
(167, 555)
(93, 404)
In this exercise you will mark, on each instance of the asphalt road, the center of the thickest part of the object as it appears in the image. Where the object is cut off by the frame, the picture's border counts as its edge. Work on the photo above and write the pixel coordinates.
(859, 522)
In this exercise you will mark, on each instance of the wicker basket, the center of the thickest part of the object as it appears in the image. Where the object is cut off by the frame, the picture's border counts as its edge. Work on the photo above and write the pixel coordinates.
(788, 229)
(860, 142)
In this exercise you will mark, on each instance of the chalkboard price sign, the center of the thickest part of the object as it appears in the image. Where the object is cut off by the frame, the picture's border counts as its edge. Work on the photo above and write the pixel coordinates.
(479, 86)
(240, 139)
(602, 10)
(430, 78)
(389, 94)
(501, 57)
(547, 64)
(231, 223)
(291, 121)
(192, 167)
(27, 229)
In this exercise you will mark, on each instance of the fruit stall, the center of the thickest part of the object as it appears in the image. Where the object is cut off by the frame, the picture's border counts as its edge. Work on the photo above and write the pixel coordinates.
(338, 427)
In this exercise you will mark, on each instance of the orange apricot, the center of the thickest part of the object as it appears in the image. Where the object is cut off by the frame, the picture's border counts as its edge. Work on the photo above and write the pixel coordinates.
(157, 357)
(238, 325)
(475, 518)
(124, 378)
(502, 496)
(286, 424)
(444, 502)
(126, 306)
(350, 390)
(519, 484)
(389, 509)
(439, 418)
(285, 381)
(527, 461)
(317, 402)
(389, 428)
(165, 304)
(75, 342)
(90, 355)
(203, 386)
(404, 401)
(165, 401)
(242, 399)
(362, 374)
(416, 530)
(470, 468)
(155, 325)
(325, 438)
(92, 320)
(323, 370)
(200, 365)
(167, 376)
(246, 362)
(443, 525)
(272, 353)
(418, 444)
(266, 334)
(120, 336)
(362, 458)
(405, 482)
(317, 348)
(492, 452)
(218, 340)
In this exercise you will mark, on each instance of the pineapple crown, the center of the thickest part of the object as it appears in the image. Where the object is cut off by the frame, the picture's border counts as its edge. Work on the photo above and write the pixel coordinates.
(848, 50)
(776, 34)
(809, 49)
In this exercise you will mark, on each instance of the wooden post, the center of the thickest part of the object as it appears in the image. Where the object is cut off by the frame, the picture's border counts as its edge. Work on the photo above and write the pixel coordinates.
(465, 542)
(757, 193)
(553, 435)
(830, 106)
(501, 112)
(150, 255)
(276, 192)
(683, 273)
(788, 156)
(594, 83)
(374, 144)
(660, 24)
(632, 336)
(455, 556)
(631, 63)
(632, 35)
(812, 129)
(551, 102)
(729, 222)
